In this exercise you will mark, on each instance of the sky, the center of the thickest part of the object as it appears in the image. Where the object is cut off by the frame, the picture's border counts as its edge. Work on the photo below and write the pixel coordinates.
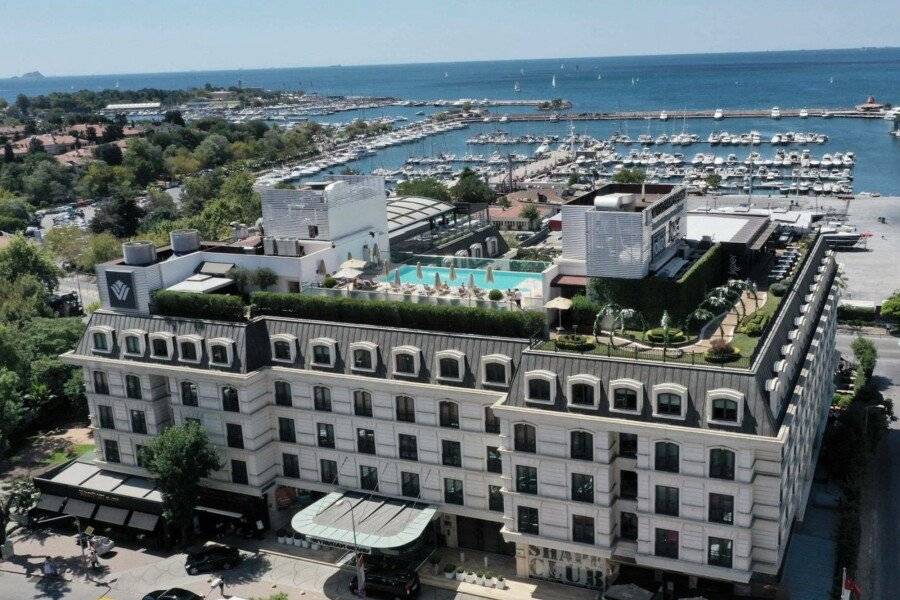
(69, 37)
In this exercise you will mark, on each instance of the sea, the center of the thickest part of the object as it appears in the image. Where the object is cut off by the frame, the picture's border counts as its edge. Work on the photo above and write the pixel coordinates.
(794, 79)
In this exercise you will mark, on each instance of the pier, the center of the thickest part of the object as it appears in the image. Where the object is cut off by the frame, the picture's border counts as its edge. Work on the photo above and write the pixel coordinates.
(786, 113)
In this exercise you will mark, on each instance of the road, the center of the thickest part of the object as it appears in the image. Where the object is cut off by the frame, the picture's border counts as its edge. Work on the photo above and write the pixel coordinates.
(879, 565)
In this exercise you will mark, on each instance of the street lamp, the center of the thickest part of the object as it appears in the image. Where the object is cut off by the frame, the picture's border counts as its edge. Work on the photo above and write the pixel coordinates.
(360, 570)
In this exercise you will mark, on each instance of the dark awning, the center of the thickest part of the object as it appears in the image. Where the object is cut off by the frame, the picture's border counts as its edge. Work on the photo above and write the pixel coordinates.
(79, 508)
(112, 515)
(143, 521)
(50, 502)
(570, 280)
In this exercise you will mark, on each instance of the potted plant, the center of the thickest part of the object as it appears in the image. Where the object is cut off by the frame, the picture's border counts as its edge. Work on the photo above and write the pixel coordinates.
(460, 574)
(501, 583)
(479, 578)
(491, 579)
(450, 571)
(470, 577)
(314, 546)
(281, 535)
(435, 564)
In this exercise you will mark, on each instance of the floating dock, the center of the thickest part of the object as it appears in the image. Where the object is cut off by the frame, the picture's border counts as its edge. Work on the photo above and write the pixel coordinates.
(786, 113)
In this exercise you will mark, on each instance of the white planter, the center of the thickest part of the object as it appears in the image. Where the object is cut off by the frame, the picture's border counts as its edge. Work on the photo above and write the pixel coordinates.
(479, 580)
(494, 583)
(281, 539)
(471, 578)
(460, 576)
(501, 585)
(314, 546)
(450, 575)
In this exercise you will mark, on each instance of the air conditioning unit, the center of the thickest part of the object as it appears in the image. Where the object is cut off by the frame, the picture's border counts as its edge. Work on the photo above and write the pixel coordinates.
(269, 247)
(288, 247)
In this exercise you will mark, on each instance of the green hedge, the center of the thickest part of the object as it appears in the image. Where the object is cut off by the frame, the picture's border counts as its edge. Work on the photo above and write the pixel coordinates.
(574, 343)
(583, 312)
(856, 313)
(658, 336)
(216, 307)
(755, 323)
(435, 317)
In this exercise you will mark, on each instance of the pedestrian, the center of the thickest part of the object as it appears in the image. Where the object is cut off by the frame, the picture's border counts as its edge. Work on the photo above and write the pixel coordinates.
(518, 298)
(94, 560)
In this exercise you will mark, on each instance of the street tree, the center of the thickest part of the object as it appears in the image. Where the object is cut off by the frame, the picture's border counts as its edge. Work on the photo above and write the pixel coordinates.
(471, 188)
(630, 176)
(17, 497)
(427, 187)
(531, 213)
(21, 257)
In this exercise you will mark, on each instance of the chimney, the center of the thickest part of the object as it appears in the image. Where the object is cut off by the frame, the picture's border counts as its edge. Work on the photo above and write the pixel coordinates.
(643, 190)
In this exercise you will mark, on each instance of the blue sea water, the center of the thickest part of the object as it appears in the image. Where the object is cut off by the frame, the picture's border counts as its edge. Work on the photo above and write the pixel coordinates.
(812, 79)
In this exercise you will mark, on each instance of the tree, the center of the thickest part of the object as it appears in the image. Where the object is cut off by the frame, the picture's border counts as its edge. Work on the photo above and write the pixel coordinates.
(23, 103)
(8, 154)
(629, 176)
(265, 278)
(182, 163)
(179, 458)
(890, 308)
(427, 187)
(15, 213)
(214, 151)
(11, 411)
(21, 257)
(471, 189)
(174, 117)
(145, 161)
(503, 202)
(17, 497)
(111, 154)
(120, 216)
(866, 356)
(35, 146)
(713, 181)
(530, 212)
(99, 180)
(159, 208)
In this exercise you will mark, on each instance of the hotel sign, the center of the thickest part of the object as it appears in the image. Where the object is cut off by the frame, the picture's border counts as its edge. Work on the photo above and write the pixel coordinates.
(120, 288)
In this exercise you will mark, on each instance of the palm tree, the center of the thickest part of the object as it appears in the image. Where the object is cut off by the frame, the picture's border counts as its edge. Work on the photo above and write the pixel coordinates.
(720, 299)
(699, 314)
(738, 287)
(618, 314)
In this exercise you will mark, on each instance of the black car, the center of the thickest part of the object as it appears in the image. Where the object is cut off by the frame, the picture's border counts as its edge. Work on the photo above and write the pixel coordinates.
(398, 583)
(173, 594)
(212, 558)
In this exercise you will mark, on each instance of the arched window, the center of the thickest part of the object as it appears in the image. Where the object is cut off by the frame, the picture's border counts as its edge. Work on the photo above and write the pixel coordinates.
(282, 393)
(540, 386)
(281, 350)
(362, 359)
(667, 457)
(218, 354)
(362, 403)
(724, 409)
(189, 396)
(668, 404)
(721, 463)
(133, 345)
(322, 398)
(625, 399)
(322, 354)
(405, 363)
(449, 368)
(524, 438)
(582, 445)
(449, 414)
(495, 372)
(406, 409)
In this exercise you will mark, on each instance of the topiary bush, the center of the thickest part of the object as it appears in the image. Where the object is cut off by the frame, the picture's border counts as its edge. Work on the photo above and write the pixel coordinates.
(755, 324)
(495, 295)
(721, 352)
(329, 282)
(778, 289)
(216, 307)
(658, 336)
(574, 343)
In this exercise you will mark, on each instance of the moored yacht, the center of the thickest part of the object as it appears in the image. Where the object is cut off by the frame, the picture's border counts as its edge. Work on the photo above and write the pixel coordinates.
(776, 112)
(718, 114)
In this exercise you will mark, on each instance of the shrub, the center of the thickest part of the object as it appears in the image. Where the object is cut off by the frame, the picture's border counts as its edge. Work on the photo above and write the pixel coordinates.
(216, 307)
(778, 289)
(329, 282)
(890, 308)
(658, 336)
(495, 295)
(583, 311)
(857, 313)
(431, 317)
(866, 356)
(755, 323)
(574, 343)
(721, 352)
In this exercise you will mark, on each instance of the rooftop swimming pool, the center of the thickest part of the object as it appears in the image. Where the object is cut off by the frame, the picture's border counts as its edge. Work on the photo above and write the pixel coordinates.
(502, 280)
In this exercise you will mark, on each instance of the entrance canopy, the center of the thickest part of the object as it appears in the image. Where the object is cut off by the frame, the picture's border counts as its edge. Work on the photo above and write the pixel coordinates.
(380, 523)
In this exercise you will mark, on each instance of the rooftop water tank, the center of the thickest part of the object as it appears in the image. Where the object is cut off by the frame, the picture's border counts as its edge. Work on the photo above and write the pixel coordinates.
(139, 253)
(613, 201)
(184, 240)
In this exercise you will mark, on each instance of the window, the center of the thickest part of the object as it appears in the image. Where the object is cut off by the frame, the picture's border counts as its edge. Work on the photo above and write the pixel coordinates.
(527, 520)
(526, 479)
(666, 543)
(668, 404)
(234, 435)
(322, 398)
(230, 400)
(406, 410)
(322, 355)
(582, 488)
(666, 457)
(368, 478)
(448, 368)
(721, 463)
(524, 438)
(328, 471)
(724, 409)
(290, 465)
(365, 441)
(451, 453)
(286, 430)
(491, 422)
(140, 455)
(538, 386)
(362, 359)
(312, 231)
(453, 491)
(189, 396)
(101, 384)
(494, 462)
(325, 435)
(238, 472)
(362, 403)
(625, 399)
(281, 350)
(582, 394)
(282, 393)
(628, 445)
(111, 451)
(101, 341)
(159, 347)
(218, 354)
(449, 414)
(408, 448)
(495, 498)
(628, 485)
(719, 552)
(406, 360)
(582, 445)
(133, 345)
(582, 529)
(105, 416)
(495, 369)
(133, 387)
(721, 509)
(138, 422)
(409, 484)
(667, 500)
(187, 351)
(628, 525)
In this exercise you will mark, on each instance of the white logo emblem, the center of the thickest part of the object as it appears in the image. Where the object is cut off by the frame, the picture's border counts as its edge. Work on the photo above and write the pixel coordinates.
(120, 290)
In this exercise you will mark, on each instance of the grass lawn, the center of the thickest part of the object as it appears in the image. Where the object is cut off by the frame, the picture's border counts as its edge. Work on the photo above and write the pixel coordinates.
(65, 454)
(747, 344)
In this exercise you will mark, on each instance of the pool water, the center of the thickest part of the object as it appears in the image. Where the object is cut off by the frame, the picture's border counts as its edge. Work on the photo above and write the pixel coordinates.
(503, 280)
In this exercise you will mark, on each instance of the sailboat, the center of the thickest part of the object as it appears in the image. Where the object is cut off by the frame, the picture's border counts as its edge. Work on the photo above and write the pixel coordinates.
(521, 71)
(516, 87)
(562, 67)
(599, 76)
(553, 81)
(445, 75)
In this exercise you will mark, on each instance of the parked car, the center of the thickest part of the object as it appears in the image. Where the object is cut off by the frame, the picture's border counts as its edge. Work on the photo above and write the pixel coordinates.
(396, 583)
(173, 594)
(212, 558)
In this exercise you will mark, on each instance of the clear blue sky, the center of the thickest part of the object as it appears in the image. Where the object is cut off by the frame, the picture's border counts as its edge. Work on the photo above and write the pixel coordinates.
(64, 37)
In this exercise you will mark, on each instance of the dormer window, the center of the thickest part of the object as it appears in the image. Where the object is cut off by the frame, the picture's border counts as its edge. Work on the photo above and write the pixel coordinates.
(365, 356)
(220, 351)
(625, 396)
(284, 347)
(725, 406)
(583, 391)
(133, 342)
(450, 365)
(323, 352)
(539, 386)
(161, 345)
(669, 401)
(495, 369)
(406, 360)
(101, 341)
(189, 348)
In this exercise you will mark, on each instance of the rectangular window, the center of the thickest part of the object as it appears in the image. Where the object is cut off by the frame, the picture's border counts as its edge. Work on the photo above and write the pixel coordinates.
(491, 422)
(325, 434)
(234, 435)
(582, 529)
(368, 478)
(720, 552)
(132, 344)
(111, 451)
(362, 403)
(238, 472)
(451, 453)
(409, 484)
(100, 342)
(624, 399)
(286, 431)
(628, 485)
(159, 348)
(105, 416)
(406, 409)
(321, 355)
(449, 414)
(101, 384)
(290, 465)
(667, 500)
(721, 463)
(628, 525)
(365, 441)
(453, 491)
(189, 395)
(527, 520)
(582, 488)
(582, 445)
(282, 350)
(495, 498)
(667, 457)
(494, 462)
(328, 471)
(628, 443)
(282, 393)
(524, 439)
(666, 543)
(721, 508)
(133, 387)
(219, 354)
(230, 402)
(138, 422)
(188, 351)
(408, 447)
(362, 359)
(140, 455)
(526, 479)
(322, 398)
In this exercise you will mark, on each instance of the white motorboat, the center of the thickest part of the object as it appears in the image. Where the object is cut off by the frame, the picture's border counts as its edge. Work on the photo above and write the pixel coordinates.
(804, 113)
(776, 112)
(718, 114)
(663, 116)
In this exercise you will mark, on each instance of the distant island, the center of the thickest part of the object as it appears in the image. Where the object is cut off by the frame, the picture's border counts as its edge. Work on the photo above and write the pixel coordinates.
(29, 75)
